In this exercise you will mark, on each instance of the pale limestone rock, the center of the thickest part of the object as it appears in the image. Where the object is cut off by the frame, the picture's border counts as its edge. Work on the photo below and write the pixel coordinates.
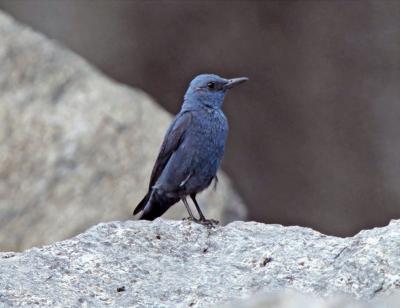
(183, 264)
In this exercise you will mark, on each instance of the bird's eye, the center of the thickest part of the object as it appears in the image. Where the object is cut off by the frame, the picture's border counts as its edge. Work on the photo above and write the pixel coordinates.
(211, 85)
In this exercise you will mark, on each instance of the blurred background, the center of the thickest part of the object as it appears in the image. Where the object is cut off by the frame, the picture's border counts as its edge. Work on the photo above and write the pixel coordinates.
(313, 136)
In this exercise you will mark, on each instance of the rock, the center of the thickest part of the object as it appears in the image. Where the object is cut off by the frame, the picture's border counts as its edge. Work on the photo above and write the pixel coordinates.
(76, 148)
(290, 299)
(183, 264)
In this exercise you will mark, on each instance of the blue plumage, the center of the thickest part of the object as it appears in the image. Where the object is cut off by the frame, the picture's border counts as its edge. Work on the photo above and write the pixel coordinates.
(192, 148)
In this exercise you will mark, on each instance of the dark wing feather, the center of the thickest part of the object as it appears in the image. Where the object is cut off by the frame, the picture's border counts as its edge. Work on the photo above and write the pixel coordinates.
(172, 140)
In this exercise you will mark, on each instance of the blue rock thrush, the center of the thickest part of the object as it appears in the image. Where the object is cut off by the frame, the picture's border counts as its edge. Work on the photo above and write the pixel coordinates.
(192, 149)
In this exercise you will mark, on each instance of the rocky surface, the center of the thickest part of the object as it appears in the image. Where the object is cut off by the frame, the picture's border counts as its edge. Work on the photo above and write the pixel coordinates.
(75, 147)
(290, 299)
(183, 264)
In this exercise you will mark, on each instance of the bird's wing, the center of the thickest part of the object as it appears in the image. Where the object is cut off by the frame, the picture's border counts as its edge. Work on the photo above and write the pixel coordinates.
(172, 140)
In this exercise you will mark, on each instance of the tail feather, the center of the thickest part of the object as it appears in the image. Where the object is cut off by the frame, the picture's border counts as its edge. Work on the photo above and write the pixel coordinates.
(155, 206)
(142, 204)
(153, 212)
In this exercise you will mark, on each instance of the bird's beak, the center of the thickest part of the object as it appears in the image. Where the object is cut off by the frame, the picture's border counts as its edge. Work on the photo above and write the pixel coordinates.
(235, 81)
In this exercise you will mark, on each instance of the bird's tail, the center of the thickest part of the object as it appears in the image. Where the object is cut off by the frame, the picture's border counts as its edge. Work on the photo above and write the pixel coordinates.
(154, 205)
(142, 204)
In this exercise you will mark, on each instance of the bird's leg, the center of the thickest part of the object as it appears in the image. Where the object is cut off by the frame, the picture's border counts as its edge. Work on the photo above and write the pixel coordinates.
(193, 196)
(203, 219)
(191, 217)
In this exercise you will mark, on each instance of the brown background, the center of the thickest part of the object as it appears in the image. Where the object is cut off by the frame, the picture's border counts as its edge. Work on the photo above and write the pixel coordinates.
(314, 136)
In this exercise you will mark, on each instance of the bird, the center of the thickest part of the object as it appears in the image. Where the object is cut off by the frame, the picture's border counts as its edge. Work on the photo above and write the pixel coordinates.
(191, 151)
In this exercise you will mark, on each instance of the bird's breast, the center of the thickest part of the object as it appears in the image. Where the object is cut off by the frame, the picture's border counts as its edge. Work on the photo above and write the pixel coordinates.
(207, 138)
(211, 127)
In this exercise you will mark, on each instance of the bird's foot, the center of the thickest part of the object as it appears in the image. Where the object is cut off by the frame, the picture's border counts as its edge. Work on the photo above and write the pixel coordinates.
(208, 222)
(203, 221)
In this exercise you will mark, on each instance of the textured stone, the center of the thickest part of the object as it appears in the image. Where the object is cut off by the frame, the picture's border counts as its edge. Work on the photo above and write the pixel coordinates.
(76, 148)
(290, 299)
(180, 264)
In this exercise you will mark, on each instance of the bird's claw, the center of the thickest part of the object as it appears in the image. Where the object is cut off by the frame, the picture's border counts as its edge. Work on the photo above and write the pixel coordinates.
(208, 222)
(205, 222)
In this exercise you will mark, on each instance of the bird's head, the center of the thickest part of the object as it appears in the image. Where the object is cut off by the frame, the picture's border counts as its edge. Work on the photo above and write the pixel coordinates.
(209, 90)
